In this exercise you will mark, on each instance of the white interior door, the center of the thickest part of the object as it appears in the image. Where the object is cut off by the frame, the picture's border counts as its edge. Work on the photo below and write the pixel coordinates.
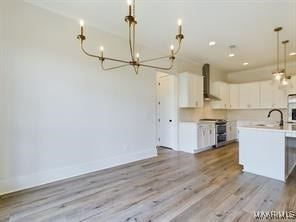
(167, 112)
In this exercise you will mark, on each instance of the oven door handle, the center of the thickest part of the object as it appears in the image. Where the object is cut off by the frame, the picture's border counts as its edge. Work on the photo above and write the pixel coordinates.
(221, 134)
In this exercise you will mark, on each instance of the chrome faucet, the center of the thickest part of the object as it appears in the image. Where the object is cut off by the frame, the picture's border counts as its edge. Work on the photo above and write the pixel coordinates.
(282, 121)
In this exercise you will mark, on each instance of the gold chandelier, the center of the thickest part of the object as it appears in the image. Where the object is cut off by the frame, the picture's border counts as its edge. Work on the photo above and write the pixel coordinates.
(135, 61)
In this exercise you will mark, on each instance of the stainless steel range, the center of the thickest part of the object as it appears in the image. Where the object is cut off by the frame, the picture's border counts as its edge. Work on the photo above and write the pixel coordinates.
(220, 130)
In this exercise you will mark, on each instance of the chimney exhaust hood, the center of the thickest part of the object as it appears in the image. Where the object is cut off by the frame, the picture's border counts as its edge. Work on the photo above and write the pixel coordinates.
(206, 75)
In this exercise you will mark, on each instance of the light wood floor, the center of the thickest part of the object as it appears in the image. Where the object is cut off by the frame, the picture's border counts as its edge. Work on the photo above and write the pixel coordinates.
(174, 186)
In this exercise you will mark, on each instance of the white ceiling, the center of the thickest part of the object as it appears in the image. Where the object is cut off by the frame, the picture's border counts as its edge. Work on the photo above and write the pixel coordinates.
(246, 23)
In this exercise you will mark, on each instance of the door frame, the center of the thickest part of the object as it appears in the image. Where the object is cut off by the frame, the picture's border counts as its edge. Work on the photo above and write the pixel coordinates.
(159, 75)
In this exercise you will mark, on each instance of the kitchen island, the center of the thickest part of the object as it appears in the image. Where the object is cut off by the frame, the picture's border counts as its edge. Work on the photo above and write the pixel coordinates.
(268, 150)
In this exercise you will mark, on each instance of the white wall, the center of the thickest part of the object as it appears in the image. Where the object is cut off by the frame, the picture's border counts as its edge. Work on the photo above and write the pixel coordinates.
(60, 114)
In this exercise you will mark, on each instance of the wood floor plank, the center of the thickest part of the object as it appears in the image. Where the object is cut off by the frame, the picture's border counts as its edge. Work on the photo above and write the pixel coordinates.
(174, 186)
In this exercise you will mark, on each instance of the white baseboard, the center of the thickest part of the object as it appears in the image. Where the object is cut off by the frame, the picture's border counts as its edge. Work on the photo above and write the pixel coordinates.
(37, 179)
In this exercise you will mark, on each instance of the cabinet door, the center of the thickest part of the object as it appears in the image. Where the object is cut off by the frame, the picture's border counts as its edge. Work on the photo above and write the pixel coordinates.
(249, 95)
(229, 131)
(292, 87)
(244, 96)
(200, 137)
(211, 135)
(266, 95)
(190, 90)
(234, 130)
(254, 95)
(225, 95)
(220, 90)
(203, 138)
(234, 96)
(280, 97)
(199, 90)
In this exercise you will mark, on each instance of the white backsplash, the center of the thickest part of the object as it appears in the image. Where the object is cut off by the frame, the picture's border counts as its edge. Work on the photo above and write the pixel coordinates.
(191, 114)
(256, 114)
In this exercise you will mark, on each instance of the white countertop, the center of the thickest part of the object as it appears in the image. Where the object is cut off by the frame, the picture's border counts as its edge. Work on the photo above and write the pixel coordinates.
(287, 128)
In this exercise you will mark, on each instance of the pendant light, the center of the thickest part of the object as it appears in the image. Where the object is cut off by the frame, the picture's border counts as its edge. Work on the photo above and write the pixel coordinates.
(231, 53)
(284, 80)
(278, 73)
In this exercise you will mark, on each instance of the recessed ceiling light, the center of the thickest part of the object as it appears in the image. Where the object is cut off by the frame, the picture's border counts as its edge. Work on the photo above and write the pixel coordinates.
(245, 63)
(212, 43)
(292, 53)
(231, 53)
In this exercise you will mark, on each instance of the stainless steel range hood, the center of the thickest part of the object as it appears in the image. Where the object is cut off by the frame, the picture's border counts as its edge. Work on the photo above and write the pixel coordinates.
(206, 75)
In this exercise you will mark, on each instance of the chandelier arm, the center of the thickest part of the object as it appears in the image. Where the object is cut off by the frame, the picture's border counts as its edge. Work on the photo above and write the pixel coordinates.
(114, 67)
(179, 47)
(156, 67)
(103, 58)
(134, 28)
(88, 54)
(134, 38)
(135, 69)
(154, 59)
(130, 43)
(163, 57)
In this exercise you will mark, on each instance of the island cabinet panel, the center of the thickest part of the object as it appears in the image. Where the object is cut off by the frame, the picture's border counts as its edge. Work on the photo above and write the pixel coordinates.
(262, 152)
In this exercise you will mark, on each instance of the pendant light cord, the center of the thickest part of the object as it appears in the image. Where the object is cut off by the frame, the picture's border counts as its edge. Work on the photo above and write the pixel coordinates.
(278, 49)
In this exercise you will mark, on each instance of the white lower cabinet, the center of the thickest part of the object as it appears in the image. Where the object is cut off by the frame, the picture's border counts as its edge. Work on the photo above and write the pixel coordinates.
(196, 137)
(206, 135)
(231, 131)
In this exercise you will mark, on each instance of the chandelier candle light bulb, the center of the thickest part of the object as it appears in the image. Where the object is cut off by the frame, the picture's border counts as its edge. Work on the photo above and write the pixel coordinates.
(180, 26)
(172, 49)
(102, 51)
(129, 3)
(81, 27)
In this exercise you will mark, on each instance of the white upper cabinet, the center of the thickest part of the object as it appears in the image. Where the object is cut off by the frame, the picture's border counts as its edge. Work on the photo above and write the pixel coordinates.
(280, 97)
(271, 96)
(234, 96)
(249, 95)
(220, 90)
(190, 90)
(266, 94)
(292, 86)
